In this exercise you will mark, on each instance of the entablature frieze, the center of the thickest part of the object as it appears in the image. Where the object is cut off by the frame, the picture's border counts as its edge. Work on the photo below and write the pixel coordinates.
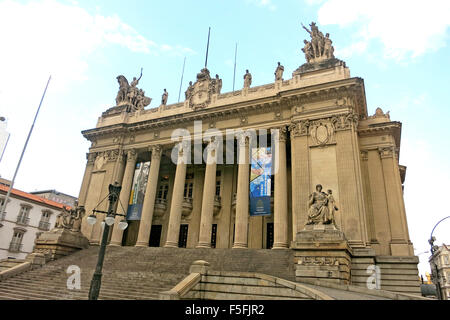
(345, 92)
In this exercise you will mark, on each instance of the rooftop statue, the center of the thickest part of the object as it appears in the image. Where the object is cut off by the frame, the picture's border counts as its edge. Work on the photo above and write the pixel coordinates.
(247, 79)
(279, 72)
(320, 47)
(130, 95)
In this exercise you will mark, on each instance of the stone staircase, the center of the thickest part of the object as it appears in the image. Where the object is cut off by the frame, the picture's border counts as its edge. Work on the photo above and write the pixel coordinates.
(139, 273)
(6, 264)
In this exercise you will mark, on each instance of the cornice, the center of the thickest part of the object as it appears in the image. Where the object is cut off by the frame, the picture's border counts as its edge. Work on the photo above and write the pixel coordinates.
(352, 88)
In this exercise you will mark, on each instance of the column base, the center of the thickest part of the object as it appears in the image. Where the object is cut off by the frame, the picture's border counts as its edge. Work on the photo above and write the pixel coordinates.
(171, 245)
(240, 246)
(278, 246)
(203, 245)
(114, 244)
(141, 245)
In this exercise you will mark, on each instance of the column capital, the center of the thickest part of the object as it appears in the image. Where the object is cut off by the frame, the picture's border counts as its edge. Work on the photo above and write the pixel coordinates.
(243, 140)
(90, 157)
(345, 121)
(156, 151)
(279, 134)
(364, 154)
(299, 128)
(387, 152)
(131, 154)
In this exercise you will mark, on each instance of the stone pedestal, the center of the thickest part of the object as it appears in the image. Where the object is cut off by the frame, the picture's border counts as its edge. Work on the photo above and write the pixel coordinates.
(322, 253)
(59, 243)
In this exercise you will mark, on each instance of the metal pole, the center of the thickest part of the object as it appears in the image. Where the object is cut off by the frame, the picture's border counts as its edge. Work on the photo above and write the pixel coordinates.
(3, 151)
(24, 148)
(234, 74)
(96, 282)
(181, 83)
(207, 48)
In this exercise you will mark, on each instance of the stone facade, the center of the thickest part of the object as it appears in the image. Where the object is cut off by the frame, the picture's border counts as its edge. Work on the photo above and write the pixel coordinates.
(324, 136)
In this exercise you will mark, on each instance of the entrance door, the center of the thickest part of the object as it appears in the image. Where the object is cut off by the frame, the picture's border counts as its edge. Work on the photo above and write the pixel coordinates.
(269, 238)
(155, 236)
(182, 240)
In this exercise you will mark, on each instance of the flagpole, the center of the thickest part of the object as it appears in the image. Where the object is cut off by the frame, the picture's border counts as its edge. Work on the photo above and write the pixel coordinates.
(234, 74)
(24, 148)
(181, 83)
(207, 48)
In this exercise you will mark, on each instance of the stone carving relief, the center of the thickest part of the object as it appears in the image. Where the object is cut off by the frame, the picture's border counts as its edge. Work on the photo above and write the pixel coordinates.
(318, 261)
(130, 95)
(345, 122)
(380, 114)
(322, 132)
(299, 128)
(100, 161)
(199, 94)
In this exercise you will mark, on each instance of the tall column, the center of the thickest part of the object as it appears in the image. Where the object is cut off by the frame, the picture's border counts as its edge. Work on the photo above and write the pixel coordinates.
(242, 202)
(399, 242)
(300, 174)
(173, 229)
(127, 182)
(209, 191)
(149, 200)
(280, 205)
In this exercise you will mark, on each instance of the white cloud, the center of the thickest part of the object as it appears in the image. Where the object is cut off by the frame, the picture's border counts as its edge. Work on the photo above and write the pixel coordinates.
(42, 37)
(263, 3)
(406, 29)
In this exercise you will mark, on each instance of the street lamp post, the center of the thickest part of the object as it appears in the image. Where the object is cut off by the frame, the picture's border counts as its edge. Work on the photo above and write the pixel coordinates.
(114, 191)
(433, 251)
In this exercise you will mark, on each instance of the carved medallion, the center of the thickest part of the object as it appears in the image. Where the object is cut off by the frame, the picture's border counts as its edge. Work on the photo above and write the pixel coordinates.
(202, 91)
(322, 132)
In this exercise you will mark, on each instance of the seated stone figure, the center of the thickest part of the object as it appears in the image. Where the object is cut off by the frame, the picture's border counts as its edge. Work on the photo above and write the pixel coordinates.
(321, 207)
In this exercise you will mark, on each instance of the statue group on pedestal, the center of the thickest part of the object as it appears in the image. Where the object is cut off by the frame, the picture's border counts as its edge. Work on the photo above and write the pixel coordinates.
(322, 207)
(320, 45)
(70, 219)
(130, 95)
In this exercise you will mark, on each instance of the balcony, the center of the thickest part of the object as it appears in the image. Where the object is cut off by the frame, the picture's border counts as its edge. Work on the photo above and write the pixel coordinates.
(160, 207)
(44, 225)
(186, 208)
(15, 246)
(23, 220)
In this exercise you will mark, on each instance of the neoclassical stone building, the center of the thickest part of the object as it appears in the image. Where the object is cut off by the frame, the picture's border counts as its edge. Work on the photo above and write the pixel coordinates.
(323, 135)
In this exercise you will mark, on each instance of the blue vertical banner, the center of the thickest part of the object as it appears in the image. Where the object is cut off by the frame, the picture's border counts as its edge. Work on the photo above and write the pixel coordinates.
(136, 201)
(260, 181)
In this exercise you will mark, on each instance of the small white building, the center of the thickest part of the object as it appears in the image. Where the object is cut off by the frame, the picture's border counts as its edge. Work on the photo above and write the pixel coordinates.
(25, 217)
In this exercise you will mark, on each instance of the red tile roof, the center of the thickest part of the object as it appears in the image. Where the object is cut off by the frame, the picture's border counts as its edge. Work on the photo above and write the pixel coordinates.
(32, 197)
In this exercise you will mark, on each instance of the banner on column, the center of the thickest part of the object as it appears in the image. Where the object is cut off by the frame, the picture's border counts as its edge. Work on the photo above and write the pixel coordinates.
(136, 201)
(260, 181)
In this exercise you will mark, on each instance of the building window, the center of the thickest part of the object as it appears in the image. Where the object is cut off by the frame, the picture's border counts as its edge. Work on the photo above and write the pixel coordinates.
(2, 214)
(188, 187)
(16, 242)
(44, 224)
(218, 188)
(163, 191)
(23, 217)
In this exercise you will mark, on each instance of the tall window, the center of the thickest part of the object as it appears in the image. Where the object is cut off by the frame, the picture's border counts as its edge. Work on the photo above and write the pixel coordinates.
(24, 212)
(44, 224)
(188, 187)
(163, 191)
(16, 242)
(218, 178)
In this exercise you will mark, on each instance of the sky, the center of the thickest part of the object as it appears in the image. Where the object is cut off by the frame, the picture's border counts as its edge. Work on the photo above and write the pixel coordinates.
(400, 48)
